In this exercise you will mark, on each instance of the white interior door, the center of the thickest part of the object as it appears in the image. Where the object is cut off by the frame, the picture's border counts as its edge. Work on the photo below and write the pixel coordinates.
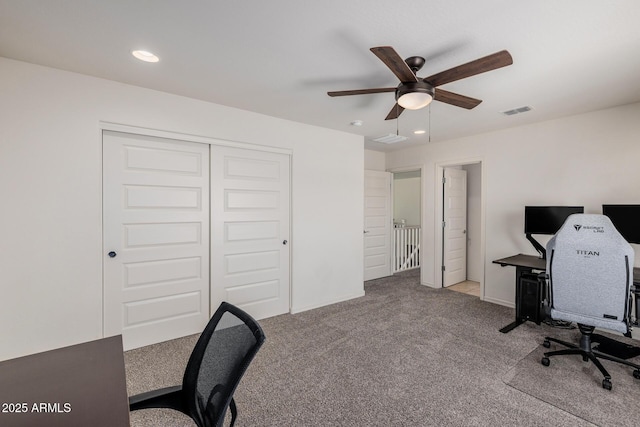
(156, 238)
(454, 252)
(250, 239)
(377, 224)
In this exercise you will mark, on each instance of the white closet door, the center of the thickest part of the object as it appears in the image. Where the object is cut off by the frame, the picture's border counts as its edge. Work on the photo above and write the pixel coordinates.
(250, 239)
(156, 238)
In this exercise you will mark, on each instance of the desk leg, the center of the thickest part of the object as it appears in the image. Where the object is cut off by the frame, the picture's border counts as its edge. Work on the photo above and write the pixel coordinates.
(519, 320)
(512, 326)
(614, 347)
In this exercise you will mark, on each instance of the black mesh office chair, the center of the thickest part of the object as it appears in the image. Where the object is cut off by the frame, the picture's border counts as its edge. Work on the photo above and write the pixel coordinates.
(590, 268)
(219, 360)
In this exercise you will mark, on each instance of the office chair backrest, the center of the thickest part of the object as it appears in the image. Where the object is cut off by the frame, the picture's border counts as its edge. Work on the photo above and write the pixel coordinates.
(219, 360)
(590, 268)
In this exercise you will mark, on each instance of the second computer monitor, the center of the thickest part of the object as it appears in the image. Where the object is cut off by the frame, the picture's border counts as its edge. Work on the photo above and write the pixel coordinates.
(626, 219)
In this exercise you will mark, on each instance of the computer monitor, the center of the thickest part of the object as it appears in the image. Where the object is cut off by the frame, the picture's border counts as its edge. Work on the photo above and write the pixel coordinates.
(626, 219)
(547, 219)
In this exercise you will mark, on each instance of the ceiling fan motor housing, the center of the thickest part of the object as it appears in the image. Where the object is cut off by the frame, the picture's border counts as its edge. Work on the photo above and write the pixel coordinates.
(415, 63)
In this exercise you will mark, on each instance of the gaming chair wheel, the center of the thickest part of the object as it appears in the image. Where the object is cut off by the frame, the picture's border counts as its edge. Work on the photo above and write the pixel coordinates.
(636, 374)
(606, 383)
(545, 361)
(546, 343)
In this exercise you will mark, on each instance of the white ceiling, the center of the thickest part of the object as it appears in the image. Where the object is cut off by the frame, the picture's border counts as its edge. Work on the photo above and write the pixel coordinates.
(280, 57)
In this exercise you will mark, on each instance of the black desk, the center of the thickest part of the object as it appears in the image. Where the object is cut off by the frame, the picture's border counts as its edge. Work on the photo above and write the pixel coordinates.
(524, 264)
(81, 385)
(527, 264)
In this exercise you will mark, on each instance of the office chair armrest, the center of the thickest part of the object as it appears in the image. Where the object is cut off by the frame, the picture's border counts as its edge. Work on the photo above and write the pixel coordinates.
(168, 397)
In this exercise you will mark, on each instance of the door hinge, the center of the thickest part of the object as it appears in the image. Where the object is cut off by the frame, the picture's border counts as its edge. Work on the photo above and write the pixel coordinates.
(444, 224)
(444, 180)
(443, 269)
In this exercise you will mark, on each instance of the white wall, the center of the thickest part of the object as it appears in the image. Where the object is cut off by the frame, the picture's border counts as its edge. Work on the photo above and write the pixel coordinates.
(51, 195)
(406, 199)
(374, 160)
(588, 159)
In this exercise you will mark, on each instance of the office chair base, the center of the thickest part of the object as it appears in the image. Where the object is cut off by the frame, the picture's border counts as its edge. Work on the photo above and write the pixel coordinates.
(168, 397)
(587, 355)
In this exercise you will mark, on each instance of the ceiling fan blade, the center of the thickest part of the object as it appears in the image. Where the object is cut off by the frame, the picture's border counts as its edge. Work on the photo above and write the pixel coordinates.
(396, 64)
(395, 112)
(456, 99)
(482, 65)
(361, 91)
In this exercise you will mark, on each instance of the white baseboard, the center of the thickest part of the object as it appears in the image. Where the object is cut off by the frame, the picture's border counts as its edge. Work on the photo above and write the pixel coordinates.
(430, 285)
(509, 304)
(487, 299)
(296, 310)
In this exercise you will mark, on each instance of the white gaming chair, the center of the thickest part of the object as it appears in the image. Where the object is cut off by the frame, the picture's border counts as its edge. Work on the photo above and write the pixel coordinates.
(590, 269)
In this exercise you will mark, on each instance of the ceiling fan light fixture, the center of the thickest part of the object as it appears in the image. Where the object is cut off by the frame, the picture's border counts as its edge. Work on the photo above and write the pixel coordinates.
(414, 95)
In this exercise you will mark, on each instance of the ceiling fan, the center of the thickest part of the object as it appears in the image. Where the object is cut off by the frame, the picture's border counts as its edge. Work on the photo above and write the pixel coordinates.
(415, 92)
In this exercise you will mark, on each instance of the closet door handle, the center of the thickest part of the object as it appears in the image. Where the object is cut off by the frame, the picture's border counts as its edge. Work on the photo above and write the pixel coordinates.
(112, 254)
(284, 242)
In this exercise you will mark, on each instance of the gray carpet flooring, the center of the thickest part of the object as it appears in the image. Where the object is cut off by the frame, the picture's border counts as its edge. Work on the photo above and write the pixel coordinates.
(402, 355)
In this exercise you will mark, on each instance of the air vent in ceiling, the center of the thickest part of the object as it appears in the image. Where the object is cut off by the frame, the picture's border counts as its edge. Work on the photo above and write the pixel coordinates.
(390, 139)
(517, 111)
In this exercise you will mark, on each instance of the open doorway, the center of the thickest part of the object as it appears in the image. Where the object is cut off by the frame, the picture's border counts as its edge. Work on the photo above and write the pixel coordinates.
(407, 214)
(459, 232)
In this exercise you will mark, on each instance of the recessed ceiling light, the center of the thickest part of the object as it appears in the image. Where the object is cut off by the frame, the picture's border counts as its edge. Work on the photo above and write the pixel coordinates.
(419, 132)
(356, 123)
(145, 56)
